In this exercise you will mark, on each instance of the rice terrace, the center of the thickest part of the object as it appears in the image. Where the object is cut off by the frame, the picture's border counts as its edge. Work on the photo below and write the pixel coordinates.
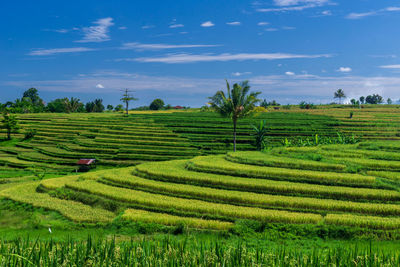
(178, 151)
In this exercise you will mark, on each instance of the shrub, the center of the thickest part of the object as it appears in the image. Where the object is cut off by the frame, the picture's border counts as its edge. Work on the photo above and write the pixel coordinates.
(29, 134)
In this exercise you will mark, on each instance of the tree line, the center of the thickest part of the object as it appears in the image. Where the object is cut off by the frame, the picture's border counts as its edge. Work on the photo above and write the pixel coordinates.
(30, 102)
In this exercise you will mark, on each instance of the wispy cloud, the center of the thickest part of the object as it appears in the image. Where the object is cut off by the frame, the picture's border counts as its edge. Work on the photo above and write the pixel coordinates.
(290, 73)
(234, 23)
(263, 23)
(122, 28)
(100, 86)
(382, 11)
(344, 69)
(207, 24)
(397, 66)
(53, 51)
(97, 33)
(283, 88)
(173, 26)
(293, 5)
(237, 74)
(145, 27)
(141, 47)
(192, 58)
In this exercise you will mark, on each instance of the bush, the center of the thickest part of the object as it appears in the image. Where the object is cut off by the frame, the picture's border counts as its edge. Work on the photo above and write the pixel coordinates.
(29, 134)
(305, 105)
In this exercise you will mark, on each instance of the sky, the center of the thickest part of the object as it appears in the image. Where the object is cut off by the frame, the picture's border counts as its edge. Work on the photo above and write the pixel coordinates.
(182, 51)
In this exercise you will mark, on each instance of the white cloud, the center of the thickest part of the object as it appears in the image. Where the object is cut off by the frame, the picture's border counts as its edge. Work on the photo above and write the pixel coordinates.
(240, 73)
(326, 13)
(99, 86)
(299, 2)
(262, 23)
(286, 89)
(271, 29)
(382, 11)
(173, 26)
(344, 69)
(190, 58)
(289, 73)
(53, 51)
(207, 24)
(360, 15)
(293, 5)
(122, 28)
(234, 23)
(144, 27)
(141, 47)
(98, 33)
(288, 28)
(390, 67)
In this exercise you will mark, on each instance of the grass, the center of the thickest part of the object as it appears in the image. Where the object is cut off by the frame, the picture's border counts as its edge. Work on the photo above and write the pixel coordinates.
(217, 164)
(171, 220)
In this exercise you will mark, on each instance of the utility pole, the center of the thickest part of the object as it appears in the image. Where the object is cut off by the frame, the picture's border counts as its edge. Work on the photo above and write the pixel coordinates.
(126, 98)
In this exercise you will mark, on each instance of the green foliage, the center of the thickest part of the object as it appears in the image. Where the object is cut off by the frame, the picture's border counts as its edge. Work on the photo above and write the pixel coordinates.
(157, 104)
(126, 98)
(374, 99)
(305, 105)
(95, 106)
(110, 107)
(260, 132)
(10, 123)
(119, 107)
(237, 103)
(339, 94)
(74, 105)
(29, 134)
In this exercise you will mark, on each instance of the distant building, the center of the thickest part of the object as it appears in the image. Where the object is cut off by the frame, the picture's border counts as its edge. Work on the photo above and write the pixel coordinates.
(86, 164)
(178, 107)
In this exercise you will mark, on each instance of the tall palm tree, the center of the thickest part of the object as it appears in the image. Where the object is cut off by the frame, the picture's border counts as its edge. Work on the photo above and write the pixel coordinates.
(236, 104)
(339, 94)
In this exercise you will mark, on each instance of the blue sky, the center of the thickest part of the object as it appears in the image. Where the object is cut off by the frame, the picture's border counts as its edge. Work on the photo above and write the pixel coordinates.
(181, 51)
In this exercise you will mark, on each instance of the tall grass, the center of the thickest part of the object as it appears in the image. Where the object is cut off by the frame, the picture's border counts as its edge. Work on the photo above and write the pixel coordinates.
(186, 252)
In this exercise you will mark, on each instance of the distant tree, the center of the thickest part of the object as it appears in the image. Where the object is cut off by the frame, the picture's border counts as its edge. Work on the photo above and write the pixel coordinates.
(110, 107)
(126, 98)
(353, 102)
(31, 101)
(374, 99)
(266, 104)
(95, 106)
(168, 107)
(156, 104)
(119, 107)
(236, 104)
(339, 94)
(389, 101)
(72, 105)
(362, 99)
(10, 123)
(56, 106)
(33, 94)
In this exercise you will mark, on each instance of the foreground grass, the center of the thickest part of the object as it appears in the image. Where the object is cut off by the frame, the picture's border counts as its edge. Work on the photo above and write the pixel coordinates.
(189, 251)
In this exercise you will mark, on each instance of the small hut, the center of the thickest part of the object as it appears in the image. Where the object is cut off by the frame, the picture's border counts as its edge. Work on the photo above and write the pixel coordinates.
(86, 164)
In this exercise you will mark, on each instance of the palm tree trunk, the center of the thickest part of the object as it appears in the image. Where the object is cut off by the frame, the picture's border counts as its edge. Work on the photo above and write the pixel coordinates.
(234, 135)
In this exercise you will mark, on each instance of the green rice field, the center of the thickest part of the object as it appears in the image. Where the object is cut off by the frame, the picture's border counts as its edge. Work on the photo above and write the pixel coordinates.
(163, 179)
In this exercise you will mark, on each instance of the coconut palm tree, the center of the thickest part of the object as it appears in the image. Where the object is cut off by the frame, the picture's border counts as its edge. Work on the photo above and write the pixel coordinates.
(339, 94)
(236, 104)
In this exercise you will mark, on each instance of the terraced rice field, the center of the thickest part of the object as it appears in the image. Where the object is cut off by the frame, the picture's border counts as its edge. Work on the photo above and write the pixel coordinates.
(176, 168)
(214, 192)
